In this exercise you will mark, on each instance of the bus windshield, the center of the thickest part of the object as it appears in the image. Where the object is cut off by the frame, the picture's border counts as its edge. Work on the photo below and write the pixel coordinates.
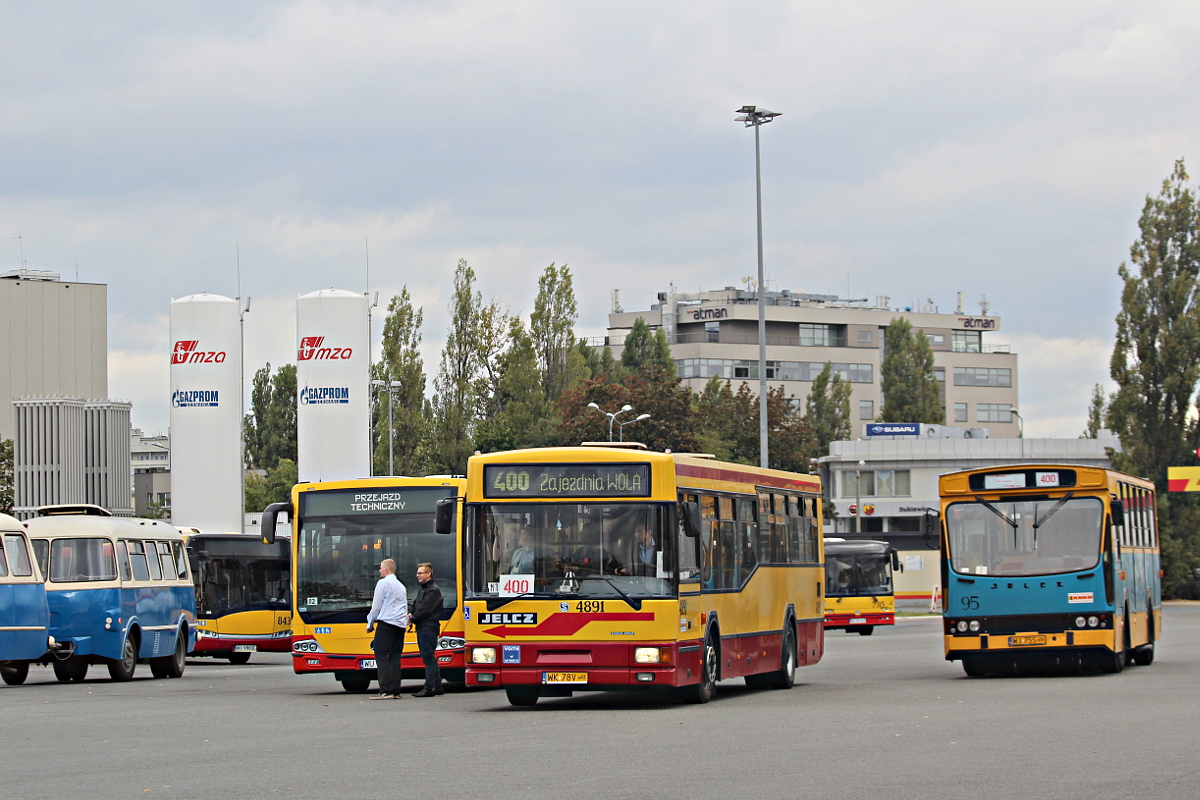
(228, 582)
(1017, 538)
(595, 550)
(858, 575)
(338, 560)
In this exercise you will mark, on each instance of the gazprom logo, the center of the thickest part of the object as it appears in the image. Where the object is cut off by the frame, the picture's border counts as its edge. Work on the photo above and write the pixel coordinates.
(200, 399)
(324, 395)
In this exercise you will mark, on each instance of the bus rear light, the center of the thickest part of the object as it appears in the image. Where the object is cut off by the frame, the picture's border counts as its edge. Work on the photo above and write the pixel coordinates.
(483, 655)
(961, 626)
(974, 626)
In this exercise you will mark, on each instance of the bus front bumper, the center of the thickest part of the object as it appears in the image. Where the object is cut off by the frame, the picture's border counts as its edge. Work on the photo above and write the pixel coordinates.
(854, 620)
(564, 667)
(959, 646)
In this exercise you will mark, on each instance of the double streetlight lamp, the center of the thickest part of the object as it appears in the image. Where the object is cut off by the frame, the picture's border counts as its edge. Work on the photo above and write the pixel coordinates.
(612, 416)
(391, 387)
(756, 117)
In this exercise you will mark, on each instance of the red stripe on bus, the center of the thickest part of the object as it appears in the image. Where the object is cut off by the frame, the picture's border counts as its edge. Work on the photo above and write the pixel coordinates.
(738, 476)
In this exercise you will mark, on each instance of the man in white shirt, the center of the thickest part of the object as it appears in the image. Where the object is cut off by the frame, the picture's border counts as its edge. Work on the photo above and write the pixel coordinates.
(389, 609)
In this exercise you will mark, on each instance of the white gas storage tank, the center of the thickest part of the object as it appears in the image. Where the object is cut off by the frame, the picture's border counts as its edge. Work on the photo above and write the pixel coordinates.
(206, 412)
(333, 412)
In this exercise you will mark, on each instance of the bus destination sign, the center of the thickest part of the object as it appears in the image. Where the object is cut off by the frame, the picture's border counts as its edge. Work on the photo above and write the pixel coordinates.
(566, 480)
(373, 500)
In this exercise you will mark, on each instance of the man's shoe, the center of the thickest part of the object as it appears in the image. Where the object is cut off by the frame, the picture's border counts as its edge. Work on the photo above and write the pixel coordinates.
(383, 696)
(425, 693)
(439, 691)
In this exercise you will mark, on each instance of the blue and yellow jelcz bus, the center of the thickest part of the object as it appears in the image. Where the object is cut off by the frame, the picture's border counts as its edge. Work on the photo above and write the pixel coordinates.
(24, 616)
(119, 592)
(1049, 564)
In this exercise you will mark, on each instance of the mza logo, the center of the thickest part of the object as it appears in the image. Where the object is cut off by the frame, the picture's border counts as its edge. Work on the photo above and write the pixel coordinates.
(189, 352)
(508, 619)
(324, 395)
(312, 349)
(200, 399)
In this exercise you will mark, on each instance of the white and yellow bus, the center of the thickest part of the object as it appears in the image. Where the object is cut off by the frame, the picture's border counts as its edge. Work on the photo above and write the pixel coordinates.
(341, 531)
(606, 567)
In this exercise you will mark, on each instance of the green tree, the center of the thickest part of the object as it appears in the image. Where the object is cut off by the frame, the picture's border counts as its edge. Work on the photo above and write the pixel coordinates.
(270, 428)
(274, 487)
(552, 328)
(454, 400)
(1095, 414)
(668, 402)
(827, 410)
(646, 349)
(400, 362)
(1156, 364)
(910, 390)
(522, 418)
(6, 476)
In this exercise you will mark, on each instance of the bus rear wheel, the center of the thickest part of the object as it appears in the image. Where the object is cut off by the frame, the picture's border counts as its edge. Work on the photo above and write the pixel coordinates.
(241, 658)
(522, 695)
(123, 668)
(15, 674)
(1144, 655)
(974, 667)
(171, 666)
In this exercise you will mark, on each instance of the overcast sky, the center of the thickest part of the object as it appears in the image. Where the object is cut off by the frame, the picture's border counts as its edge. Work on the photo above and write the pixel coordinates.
(925, 148)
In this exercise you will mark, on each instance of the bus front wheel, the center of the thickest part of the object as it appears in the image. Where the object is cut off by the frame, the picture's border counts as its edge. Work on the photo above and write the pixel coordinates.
(241, 658)
(123, 668)
(522, 695)
(15, 674)
(72, 668)
(866, 630)
(703, 691)
(356, 684)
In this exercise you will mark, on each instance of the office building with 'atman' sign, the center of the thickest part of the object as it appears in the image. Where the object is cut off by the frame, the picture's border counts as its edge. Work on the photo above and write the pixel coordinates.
(716, 333)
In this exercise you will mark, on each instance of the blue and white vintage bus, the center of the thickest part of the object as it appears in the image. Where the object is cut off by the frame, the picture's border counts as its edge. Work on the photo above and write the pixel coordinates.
(24, 617)
(119, 592)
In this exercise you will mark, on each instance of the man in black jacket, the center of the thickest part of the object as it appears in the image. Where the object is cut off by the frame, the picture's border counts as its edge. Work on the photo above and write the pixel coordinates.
(426, 617)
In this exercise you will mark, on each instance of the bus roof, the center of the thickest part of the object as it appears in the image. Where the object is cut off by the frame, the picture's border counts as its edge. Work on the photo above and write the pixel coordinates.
(84, 525)
(855, 547)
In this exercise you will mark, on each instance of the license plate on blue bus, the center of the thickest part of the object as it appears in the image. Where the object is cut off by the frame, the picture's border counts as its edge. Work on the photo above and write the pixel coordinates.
(245, 648)
(564, 677)
(1026, 641)
(367, 663)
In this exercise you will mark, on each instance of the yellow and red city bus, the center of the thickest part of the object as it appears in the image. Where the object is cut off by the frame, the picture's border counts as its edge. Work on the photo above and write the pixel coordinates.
(243, 594)
(858, 584)
(1049, 563)
(341, 531)
(607, 567)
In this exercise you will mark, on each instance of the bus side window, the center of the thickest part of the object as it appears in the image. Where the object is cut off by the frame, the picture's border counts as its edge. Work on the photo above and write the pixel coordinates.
(181, 563)
(123, 561)
(41, 551)
(168, 561)
(137, 561)
(18, 556)
(748, 538)
(3, 562)
(152, 561)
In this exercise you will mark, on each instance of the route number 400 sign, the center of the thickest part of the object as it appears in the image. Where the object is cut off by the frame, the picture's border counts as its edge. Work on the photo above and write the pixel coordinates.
(512, 585)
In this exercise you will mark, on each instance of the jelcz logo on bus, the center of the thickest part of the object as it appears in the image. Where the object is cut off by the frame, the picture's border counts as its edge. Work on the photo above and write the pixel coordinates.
(312, 349)
(189, 352)
(525, 618)
(201, 399)
(324, 395)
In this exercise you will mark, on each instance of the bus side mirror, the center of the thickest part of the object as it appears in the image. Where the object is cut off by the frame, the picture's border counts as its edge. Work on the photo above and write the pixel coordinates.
(691, 519)
(1117, 509)
(929, 525)
(896, 565)
(443, 518)
(270, 519)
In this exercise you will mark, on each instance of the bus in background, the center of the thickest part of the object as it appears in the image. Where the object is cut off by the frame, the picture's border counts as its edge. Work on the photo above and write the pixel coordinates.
(1049, 564)
(24, 616)
(243, 594)
(341, 531)
(858, 584)
(119, 592)
(605, 567)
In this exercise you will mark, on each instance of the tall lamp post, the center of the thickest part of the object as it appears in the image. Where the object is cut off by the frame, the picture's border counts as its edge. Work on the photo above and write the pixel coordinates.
(858, 495)
(621, 425)
(756, 117)
(612, 415)
(391, 387)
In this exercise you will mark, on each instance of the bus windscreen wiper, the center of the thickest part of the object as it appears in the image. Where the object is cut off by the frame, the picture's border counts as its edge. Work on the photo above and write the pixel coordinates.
(635, 604)
(1039, 523)
(1012, 523)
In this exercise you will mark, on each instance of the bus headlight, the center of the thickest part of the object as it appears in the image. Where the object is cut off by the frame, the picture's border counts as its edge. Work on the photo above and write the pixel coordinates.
(1093, 622)
(974, 626)
(483, 655)
(1080, 622)
(306, 646)
(961, 626)
(646, 655)
(451, 643)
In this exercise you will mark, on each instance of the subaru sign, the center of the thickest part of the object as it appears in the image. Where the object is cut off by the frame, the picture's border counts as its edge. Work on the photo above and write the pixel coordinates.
(893, 428)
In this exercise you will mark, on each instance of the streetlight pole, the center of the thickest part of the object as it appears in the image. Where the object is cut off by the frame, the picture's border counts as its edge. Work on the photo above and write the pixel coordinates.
(858, 495)
(612, 415)
(390, 386)
(756, 117)
(621, 425)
